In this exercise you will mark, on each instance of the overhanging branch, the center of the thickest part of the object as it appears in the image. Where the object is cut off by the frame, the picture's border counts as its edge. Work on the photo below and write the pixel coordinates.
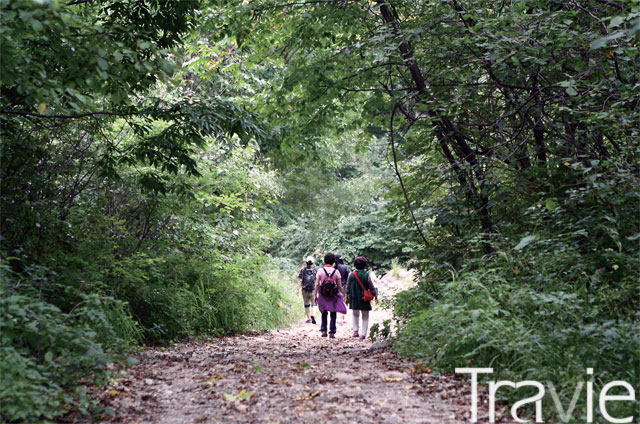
(58, 116)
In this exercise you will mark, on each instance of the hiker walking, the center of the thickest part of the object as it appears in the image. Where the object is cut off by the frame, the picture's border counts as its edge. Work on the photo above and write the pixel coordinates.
(361, 292)
(375, 278)
(329, 294)
(344, 274)
(307, 281)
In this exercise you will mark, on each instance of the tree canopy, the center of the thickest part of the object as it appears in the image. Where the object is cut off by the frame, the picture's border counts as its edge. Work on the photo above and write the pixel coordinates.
(166, 166)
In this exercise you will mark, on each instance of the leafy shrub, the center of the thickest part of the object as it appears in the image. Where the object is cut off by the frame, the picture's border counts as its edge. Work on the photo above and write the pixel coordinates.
(495, 315)
(375, 331)
(47, 356)
(181, 296)
(556, 294)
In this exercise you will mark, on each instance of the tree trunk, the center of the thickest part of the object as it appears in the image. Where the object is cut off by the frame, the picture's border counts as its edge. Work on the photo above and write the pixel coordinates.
(448, 134)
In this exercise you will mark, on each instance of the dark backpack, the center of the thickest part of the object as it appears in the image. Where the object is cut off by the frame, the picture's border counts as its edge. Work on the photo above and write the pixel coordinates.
(308, 279)
(328, 288)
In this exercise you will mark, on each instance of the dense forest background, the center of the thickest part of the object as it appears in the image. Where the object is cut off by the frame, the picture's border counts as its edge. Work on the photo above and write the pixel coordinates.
(166, 166)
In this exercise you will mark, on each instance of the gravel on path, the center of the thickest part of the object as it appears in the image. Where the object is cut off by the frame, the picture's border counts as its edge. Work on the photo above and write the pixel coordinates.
(287, 375)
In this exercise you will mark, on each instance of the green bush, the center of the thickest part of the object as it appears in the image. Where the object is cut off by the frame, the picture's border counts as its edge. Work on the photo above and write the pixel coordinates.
(179, 296)
(495, 315)
(48, 356)
(556, 294)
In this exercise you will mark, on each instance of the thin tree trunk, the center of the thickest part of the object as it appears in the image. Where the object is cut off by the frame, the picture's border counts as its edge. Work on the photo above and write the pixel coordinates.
(448, 133)
(404, 190)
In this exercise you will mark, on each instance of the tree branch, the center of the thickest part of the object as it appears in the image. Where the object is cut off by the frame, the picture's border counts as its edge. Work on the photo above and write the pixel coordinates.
(72, 3)
(78, 116)
(395, 165)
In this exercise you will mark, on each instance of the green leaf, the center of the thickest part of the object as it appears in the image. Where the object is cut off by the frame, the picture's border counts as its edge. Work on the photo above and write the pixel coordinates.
(615, 22)
(524, 242)
(550, 204)
(132, 361)
(8, 15)
(603, 41)
(36, 25)
(103, 64)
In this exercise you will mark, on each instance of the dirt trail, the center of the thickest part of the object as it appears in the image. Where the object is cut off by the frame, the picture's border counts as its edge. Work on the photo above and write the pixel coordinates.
(286, 376)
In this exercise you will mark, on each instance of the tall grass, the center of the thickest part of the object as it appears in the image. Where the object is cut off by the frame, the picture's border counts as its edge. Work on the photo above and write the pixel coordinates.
(396, 267)
(48, 352)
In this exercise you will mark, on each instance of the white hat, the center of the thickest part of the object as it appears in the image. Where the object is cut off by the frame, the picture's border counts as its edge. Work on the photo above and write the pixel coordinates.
(310, 259)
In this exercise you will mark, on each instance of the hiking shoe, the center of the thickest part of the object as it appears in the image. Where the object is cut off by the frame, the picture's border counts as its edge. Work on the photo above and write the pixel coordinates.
(363, 337)
(324, 334)
(309, 321)
(313, 319)
(355, 334)
(332, 336)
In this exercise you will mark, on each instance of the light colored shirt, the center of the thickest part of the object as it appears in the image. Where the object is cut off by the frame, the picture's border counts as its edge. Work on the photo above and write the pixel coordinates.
(334, 303)
(321, 275)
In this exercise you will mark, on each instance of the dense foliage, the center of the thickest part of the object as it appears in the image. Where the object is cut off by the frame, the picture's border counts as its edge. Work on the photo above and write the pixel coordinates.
(131, 208)
(166, 164)
(334, 203)
(513, 131)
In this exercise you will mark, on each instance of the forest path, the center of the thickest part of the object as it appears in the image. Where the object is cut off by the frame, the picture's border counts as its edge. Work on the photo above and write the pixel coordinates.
(286, 376)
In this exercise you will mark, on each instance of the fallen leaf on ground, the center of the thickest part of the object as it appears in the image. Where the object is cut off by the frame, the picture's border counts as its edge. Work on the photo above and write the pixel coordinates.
(309, 396)
(242, 395)
(304, 365)
(421, 369)
(213, 378)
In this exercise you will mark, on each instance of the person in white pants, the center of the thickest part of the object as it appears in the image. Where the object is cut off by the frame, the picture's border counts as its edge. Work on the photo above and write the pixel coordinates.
(358, 280)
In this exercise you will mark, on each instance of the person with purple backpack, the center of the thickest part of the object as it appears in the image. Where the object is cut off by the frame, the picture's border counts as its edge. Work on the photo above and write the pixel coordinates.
(329, 294)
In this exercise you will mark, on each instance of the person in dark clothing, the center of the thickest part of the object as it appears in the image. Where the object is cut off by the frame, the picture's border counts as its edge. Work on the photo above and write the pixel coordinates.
(307, 282)
(344, 273)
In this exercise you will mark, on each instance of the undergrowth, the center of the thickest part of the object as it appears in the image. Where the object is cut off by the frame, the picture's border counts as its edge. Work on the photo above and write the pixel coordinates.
(50, 354)
(558, 294)
(542, 322)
